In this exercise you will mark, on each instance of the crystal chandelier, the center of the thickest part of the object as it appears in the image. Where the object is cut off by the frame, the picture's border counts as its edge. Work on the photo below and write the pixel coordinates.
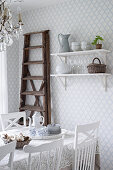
(7, 29)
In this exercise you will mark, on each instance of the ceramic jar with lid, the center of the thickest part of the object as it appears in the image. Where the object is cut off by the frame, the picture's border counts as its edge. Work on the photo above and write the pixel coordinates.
(53, 129)
(75, 46)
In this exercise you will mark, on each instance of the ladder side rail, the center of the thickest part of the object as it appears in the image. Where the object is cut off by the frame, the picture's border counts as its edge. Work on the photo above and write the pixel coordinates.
(48, 78)
(24, 70)
(45, 76)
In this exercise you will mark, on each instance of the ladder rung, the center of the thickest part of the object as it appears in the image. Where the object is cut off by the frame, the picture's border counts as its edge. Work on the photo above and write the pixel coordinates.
(32, 108)
(33, 78)
(35, 93)
(34, 62)
(36, 32)
(34, 47)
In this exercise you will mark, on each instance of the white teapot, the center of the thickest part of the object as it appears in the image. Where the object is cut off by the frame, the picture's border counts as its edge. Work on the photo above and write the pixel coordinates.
(38, 120)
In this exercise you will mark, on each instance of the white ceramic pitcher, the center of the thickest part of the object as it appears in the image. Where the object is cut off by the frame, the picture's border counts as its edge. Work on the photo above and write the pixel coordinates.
(38, 120)
(64, 44)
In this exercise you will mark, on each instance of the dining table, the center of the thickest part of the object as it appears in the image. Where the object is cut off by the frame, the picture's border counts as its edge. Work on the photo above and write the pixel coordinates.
(21, 158)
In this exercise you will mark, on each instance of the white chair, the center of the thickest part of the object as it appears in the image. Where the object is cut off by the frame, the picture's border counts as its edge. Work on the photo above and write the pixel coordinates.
(55, 147)
(85, 146)
(11, 120)
(5, 150)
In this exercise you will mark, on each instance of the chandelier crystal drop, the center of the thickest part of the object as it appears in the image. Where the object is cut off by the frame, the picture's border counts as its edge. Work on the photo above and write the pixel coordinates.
(7, 29)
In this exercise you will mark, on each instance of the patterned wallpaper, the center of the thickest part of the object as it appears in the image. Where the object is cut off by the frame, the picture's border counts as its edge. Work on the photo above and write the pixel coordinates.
(13, 76)
(84, 100)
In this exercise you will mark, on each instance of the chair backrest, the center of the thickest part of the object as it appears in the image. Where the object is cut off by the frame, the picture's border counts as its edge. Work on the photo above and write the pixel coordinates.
(11, 120)
(8, 149)
(85, 146)
(53, 152)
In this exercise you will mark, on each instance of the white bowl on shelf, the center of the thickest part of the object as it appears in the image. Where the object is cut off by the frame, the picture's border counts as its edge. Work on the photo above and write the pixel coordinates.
(75, 46)
(63, 68)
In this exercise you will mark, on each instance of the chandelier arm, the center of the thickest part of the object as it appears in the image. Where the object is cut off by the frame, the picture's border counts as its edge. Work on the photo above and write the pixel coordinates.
(9, 32)
(7, 29)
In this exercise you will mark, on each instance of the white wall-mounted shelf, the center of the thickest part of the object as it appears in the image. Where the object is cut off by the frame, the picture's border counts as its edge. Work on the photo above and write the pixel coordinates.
(102, 75)
(99, 52)
(76, 75)
(87, 52)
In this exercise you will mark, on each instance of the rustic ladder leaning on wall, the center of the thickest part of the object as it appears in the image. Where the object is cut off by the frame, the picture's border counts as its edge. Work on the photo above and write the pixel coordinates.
(44, 91)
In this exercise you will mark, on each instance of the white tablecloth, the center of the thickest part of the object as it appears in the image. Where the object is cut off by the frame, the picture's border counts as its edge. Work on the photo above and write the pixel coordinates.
(20, 158)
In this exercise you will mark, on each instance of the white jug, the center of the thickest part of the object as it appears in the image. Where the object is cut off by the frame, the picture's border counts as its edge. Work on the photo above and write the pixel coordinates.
(64, 44)
(38, 120)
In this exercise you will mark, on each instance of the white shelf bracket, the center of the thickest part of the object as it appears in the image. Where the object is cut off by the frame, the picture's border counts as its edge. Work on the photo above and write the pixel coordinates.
(64, 83)
(65, 59)
(105, 59)
(61, 58)
(104, 81)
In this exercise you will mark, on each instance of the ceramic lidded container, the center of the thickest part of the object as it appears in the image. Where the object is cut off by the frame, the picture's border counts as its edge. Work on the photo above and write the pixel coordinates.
(53, 129)
(75, 46)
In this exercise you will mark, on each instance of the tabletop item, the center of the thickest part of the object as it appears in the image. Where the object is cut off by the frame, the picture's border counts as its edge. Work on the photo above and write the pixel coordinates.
(63, 68)
(53, 129)
(75, 46)
(20, 139)
(85, 46)
(96, 68)
(64, 44)
(38, 120)
(46, 136)
(42, 131)
(32, 131)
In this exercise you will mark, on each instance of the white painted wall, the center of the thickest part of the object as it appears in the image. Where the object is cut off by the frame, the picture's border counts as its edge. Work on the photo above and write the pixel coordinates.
(85, 99)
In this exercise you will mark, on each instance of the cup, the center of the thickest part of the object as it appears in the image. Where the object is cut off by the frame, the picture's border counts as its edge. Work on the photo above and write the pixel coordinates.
(32, 131)
(83, 45)
(75, 46)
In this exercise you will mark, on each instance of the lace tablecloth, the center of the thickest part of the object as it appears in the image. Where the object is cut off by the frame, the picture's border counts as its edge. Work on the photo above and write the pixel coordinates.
(20, 158)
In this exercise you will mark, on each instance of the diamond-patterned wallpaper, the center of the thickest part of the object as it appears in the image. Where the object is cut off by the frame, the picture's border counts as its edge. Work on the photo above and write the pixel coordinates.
(84, 100)
(13, 76)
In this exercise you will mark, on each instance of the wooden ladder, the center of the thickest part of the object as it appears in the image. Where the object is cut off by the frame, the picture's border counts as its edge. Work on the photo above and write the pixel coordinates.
(44, 90)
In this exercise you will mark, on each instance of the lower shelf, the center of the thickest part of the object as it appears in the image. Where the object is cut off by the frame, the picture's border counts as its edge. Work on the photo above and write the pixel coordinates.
(75, 75)
(102, 75)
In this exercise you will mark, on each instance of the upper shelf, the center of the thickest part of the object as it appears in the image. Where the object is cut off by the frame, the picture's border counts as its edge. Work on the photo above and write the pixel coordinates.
(87, 52)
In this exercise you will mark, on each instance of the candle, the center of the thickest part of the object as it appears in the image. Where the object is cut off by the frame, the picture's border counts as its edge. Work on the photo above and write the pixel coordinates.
(19, 18)
(5, 13)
